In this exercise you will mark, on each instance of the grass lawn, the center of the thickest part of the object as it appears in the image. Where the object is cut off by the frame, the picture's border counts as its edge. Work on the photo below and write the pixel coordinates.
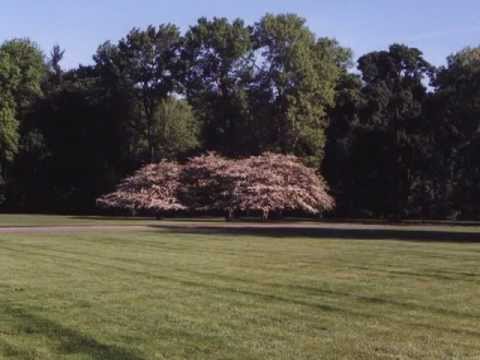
(27, 220)
(205, 293)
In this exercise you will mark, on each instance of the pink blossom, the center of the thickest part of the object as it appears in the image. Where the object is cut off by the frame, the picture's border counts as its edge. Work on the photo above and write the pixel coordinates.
(263, 184)
(153, 187)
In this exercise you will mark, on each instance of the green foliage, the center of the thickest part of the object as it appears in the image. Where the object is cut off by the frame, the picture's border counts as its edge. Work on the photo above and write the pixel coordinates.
(8, 131)
(27, 69)
(339, 166)
(56, 56)
(175, 130)
(457, 131)
(392, 121)
(143, 67)
(458, 88)
(393, 145)
(297, 80)
(9, 80)
(217, 58)
(21, 72)
(262, 88)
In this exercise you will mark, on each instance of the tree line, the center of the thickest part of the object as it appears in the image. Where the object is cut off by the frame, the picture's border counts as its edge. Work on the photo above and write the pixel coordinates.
(393, 135)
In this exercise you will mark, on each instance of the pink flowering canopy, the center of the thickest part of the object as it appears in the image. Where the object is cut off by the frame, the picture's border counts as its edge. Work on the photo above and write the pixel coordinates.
(205, 183)
(153, 187)
(276, 182)
(266, 183)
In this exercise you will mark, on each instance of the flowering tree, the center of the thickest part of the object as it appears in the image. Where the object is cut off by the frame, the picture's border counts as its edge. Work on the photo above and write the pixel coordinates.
(153, 188)
(266, 183)
(275, 183)
(261, 184)
(207, 184)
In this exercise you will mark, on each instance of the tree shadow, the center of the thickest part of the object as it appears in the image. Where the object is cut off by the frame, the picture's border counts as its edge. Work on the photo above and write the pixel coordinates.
(110, 218)
(12, 351)
(328, 232)
(67, 340)
(179, 218)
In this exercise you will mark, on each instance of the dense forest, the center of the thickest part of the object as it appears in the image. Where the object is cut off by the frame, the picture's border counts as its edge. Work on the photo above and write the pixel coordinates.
(394, 136)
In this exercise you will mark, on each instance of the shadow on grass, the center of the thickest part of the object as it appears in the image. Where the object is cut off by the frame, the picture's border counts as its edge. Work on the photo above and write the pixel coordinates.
(67, 340)
(328, 232)
(111, 218)
(286, 220)
(12, 351)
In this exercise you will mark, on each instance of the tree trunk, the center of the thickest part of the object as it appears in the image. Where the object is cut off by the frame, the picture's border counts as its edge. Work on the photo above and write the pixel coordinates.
(265, 214)
(229, 215)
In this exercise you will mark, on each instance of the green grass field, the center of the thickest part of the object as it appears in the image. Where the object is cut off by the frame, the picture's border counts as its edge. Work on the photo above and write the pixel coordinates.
(55, 220)
(214, 293)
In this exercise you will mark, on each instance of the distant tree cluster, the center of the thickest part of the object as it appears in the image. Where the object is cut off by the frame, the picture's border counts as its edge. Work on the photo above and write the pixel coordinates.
(265, 184)
(396, 138)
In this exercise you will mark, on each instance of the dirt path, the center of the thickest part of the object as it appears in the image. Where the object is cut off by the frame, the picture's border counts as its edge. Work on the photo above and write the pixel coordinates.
(206, 225)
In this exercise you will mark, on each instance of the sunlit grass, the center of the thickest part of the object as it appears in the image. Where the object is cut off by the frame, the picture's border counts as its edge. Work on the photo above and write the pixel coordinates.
(178, 294)
(61, 220)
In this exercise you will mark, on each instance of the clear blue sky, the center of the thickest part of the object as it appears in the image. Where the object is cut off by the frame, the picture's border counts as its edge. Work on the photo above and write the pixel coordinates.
(437, 27)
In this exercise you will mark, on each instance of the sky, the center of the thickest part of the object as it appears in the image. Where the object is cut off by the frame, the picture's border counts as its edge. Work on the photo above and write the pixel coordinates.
(437, 27)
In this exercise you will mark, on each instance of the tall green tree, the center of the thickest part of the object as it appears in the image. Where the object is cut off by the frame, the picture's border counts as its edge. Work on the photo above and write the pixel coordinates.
(296, 79)
(456, 129)
(54, 67)
(142, 67)
(391, 139)
(217, 58)
(8, 130)
(75, 147)
(22, 69)
(338, 166)
(176, 129)
(27, 70)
